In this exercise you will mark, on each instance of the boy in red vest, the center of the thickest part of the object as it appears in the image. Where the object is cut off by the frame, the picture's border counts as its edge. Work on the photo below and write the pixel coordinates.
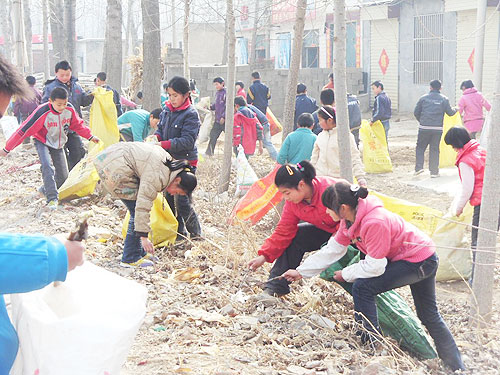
(246, 129)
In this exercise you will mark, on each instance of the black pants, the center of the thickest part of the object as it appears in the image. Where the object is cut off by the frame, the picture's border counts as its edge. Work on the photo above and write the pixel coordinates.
(429, 138)
(74, 149)
(214, 135)
(308, 238)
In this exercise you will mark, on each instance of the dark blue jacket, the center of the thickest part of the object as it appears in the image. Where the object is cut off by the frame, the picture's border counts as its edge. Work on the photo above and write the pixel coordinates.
(259, 95)
(381, 107)
(77, 95)
(181, 128)
(260, 116)
(430, 110)
(354, 115)
(303, 104)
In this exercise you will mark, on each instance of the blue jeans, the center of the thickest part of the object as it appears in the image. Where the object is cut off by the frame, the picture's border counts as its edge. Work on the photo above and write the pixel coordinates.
(54, 169)
(132, 248)
(268, 144)
(421, 277)
(186, 216)
(387, 126)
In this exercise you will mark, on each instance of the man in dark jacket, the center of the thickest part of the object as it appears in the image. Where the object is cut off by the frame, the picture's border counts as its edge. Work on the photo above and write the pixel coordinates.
(100, 81)
(303, 103)
(258, 93)
(266, 132)
(381, 107)
(429, 112)
(220, 114)
(74, 147)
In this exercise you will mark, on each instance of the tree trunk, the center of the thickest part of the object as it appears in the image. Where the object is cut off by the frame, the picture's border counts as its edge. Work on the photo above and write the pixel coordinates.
(45, 32)
(18, 34)
(114, 44)
(151, 76)
(231, 74)
(224, 47)
(484, 267)
(482, 6)
(28, 34)
(6, 29)
(185, 38)
(57, 29)
(342, 114)
(253, 50)
(70, 34)
(293, 76)
(174, 20)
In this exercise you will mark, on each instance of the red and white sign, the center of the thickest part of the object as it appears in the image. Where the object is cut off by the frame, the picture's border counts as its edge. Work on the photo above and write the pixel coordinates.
(383, 61)
(470, 60)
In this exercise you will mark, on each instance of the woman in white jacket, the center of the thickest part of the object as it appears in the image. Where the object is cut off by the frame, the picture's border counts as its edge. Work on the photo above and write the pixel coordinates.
(325, 155)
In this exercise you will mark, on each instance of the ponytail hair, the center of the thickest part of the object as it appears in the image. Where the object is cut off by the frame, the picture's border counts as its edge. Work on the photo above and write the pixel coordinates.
(289, 176)
(341, 193)
(188, 180)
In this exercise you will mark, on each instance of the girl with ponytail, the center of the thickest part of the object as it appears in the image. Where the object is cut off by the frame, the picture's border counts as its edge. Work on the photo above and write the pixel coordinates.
(291, 239)
(396, 254)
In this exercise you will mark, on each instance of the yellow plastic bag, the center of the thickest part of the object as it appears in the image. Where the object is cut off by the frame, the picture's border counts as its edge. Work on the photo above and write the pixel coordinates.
(83, 178)
(103, 119)
(375, 153)
(447, 155)
(163, 223)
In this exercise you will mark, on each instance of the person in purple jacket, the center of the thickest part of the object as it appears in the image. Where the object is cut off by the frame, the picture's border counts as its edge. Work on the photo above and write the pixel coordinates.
(220, 114)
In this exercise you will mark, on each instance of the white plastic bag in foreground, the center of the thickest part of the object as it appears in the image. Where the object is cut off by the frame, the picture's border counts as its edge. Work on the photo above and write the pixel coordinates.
(485, 132)
(245, 175)
(205, 128)
(84, 326)
(9, 126)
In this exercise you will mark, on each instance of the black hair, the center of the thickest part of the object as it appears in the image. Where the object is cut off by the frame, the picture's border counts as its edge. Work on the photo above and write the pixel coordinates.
(240, 100)
(156, 113)
(179, 84)
(165, 86)
(305, 120)
(12, 82)
(327, 112)
(31, 80)
(192, 84)
(435, 84)
(330, 76)
(63, 65)
(188, 180)
(341, 193)
(140, 95)
(256, 75)
(378, 84)
(289, 176)
(59, 93)
(218, 80)
(457, 137)
(327, 97)
(301, 88)
(102, 76)
(466, 85)
(241, 84)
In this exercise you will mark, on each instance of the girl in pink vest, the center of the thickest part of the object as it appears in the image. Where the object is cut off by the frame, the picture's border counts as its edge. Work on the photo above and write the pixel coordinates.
(396, 254)
(471, 106)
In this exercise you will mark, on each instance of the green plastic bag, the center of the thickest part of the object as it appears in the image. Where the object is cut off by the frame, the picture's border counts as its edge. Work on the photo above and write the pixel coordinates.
(395, 317)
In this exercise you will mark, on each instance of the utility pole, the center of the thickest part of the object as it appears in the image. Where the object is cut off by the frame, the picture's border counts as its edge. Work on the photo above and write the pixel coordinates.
(482, 6)
(18, 34)
(339, 71)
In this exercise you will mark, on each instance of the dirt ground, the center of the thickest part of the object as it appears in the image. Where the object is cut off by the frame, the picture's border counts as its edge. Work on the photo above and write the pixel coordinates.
(217, 324)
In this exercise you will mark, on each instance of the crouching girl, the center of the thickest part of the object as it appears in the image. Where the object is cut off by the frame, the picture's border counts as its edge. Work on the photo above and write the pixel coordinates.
(397, 254)
(135, 173)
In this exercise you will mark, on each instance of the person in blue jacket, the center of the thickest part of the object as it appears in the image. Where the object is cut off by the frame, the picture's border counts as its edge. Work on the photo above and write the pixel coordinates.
(177, 132)
(138, 124)
(303, 104)
(258, 93)
(381, 107)
(77, 96)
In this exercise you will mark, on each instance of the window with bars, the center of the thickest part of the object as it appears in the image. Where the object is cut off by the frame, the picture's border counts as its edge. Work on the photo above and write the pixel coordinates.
(428, 48)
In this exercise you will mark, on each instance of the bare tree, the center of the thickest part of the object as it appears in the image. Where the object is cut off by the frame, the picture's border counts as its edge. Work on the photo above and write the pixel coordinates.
(229, 121)
(70, 33)
(253, 50)
(293, 76)
(185, 38)
(151, 53)
(343, 132)
(45, 32)
(18, 33)
(28, 33)
(114, 44)
(6, 28)
(57, 28)
(174, 20)
(484, 267)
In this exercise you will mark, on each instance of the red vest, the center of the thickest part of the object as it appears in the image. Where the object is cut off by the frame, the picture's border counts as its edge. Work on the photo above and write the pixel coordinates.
(474, 156)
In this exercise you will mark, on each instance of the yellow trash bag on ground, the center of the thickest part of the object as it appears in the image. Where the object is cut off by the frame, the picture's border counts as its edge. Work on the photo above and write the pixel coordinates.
(163, 223)
(375, 153)
(447, 155)
(83, 177)
(103, 119)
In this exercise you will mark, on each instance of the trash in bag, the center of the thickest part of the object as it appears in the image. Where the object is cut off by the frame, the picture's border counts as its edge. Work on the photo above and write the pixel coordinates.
(245, 175)
(85, 325)
(9, 125)
(275, 126)
(447, 155)
(375, 153)
(206, 127)
(163, 223)
(103, 120)
(395, 317)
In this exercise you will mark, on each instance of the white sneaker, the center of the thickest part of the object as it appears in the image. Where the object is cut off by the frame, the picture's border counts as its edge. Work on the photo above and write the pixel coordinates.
(53, 204)
(419, 172)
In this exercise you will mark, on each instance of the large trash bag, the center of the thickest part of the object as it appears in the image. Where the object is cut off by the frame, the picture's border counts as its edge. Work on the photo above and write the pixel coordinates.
(9, 126)
(85, 325)
(206, 127)
(447, 155)
(245, 175)
(163, 223)
(83, 178)
(103, 119)
(396, 318)
(375, 153)
(275, 126)
(262, 197)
